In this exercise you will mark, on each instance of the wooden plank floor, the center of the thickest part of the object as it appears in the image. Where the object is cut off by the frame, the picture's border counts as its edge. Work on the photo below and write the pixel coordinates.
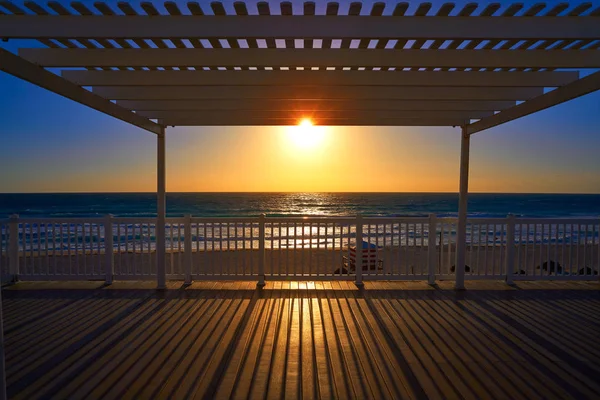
(538, 340)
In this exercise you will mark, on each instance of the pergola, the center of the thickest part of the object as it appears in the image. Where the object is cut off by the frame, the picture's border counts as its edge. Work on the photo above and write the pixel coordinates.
(396, 64)
(157, 66)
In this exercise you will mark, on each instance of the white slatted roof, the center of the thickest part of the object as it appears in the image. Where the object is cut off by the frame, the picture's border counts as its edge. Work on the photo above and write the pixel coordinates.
(185, 63)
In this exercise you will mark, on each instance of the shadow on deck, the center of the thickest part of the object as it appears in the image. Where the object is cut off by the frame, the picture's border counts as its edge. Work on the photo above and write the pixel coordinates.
(299, 339)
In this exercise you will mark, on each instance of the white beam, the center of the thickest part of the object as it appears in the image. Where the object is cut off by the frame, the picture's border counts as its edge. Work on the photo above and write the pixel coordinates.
(27, 71)
(195, 57)
(312, 105)
(314, 92)
(235, 121)
(579, 88)
(340, 114)
(338, 77)
(463, 199)
(299, 27)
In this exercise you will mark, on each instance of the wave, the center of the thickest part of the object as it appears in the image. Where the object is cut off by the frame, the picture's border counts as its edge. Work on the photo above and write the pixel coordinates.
(286, 204)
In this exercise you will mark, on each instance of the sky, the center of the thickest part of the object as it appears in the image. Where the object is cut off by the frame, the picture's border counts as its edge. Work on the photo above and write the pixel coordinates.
(52, 144)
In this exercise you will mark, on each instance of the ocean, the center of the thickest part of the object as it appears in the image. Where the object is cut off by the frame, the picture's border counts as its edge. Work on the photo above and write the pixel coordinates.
(64, 205)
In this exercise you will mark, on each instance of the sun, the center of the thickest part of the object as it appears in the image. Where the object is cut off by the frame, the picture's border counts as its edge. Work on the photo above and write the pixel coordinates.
(305, 135)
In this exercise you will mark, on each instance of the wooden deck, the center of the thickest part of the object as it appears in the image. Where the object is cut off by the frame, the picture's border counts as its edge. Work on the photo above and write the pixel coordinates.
(299, 339)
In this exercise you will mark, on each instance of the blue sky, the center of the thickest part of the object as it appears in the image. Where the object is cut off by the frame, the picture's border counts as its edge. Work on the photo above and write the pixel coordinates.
(51, 144)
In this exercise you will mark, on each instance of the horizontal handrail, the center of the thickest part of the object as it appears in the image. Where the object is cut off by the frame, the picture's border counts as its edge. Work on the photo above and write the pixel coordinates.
(131, 220)
(310, 219)
(65, 220)
(474, 220)
(383, 220)
(559, 221)
(223, 220)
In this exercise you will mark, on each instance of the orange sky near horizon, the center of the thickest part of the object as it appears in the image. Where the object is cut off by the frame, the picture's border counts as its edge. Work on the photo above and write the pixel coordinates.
(352, 159)
(256, 159)
(347, 159)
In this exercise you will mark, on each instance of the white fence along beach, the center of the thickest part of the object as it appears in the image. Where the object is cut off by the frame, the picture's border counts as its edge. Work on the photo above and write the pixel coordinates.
(305, 248)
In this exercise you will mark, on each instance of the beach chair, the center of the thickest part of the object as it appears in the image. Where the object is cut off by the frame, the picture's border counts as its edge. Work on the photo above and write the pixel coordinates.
(370, 262)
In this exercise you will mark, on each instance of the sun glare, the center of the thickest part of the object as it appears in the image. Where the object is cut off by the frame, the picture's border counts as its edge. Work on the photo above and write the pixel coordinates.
(306, 135)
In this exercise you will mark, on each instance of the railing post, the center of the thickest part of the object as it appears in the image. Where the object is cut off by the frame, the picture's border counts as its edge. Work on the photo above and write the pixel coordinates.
(510, 248)
(187, 249)
(13, 247)
(432, 249)
(261, 250)
(108, 249)
(359, 251)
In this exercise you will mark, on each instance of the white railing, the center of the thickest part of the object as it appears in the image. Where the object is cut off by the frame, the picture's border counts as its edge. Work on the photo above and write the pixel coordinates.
(223, 249)
(134, 248)
(60, 249)
(486, 248)
(401, 247)
(557, 248)
(314, 248)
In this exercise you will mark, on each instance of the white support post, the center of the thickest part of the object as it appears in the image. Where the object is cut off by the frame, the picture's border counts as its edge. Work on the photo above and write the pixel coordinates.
(261, 251)
(187, 259)
(108, 249)
(358, 263)
(461, 229)
(2, 355)
(510, 248)
(13, 247)
(161, 278)
(432, 249)
(14, 270)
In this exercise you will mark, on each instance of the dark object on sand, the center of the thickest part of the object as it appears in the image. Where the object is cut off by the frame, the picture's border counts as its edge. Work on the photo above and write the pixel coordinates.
(551, 266)
(587, 271)
(467, 268)
(520, 272)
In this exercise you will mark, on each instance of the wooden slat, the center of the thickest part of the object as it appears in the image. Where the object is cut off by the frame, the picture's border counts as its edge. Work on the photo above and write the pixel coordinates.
(327, 78)
(36, 8)
(312, 105)
(234, 121)
(466, 11)
(62, 10)
(127, 8)
(317, 114)
(311, 57)
(314, 93)
(444, 10)
(219, 11)
(331, 10)
(299, 27)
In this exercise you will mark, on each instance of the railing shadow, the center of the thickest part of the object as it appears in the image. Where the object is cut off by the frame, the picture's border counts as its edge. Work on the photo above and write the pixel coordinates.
(333, 337)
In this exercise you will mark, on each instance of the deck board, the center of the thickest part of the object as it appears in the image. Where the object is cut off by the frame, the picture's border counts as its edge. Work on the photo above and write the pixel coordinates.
(303, 340)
